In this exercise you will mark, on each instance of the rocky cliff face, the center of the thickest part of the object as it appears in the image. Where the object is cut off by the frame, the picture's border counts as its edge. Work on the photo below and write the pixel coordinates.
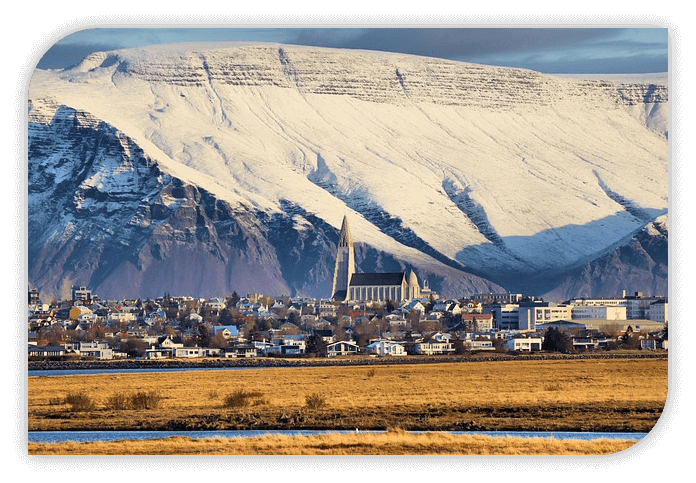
(204, 169)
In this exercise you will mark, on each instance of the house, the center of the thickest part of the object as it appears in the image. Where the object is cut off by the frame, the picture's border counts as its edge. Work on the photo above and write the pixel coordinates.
(478, 322)
(479, 345)
(195, 318)
(46, 351)
(156, 316)
(585, 343)
(385, 348)
(524, 344)
(414, 305)
(287, 345)
(448, 307)
(158, 353)
(169, 342)
(437, 343)
(78, 310)
(327, 308)
(97, 350)
(121, 316)
(188, 352)
(342, 348)
(326, 335)
(239, 350)
(649, 344)
(216, 304)
(228, 331)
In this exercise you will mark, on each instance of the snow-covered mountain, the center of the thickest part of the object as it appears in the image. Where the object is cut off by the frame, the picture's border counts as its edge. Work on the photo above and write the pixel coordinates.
(207, 168)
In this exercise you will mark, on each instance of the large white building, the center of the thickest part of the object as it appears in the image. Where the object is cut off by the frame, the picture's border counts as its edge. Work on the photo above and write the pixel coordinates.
(599, 312)
(368, 287)
(532, 314)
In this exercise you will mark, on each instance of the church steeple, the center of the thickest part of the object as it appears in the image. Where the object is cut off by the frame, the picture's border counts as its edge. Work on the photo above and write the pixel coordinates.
(345, 263)
(345, 239)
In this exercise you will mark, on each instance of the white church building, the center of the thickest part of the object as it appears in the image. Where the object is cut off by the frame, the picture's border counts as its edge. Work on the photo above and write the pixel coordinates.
(368, 287)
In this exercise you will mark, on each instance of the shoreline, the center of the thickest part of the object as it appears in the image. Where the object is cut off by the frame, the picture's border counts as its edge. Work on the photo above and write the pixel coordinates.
(271, 362)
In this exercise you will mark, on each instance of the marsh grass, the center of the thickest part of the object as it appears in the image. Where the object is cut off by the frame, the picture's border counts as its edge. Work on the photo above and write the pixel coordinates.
(394, 442)
(80, 401)
(315, 401)
(242, 398)
(550, 395)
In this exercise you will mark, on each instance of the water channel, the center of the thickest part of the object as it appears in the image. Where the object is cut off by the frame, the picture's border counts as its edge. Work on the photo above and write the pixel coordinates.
(89, 436)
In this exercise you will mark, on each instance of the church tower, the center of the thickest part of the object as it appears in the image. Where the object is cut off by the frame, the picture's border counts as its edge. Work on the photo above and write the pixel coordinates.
(345, 264)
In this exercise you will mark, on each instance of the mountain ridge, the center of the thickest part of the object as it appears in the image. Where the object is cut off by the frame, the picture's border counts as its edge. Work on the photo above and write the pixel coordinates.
(437, 171)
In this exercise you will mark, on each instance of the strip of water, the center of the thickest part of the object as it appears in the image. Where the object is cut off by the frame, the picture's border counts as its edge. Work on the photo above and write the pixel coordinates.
(92, 436)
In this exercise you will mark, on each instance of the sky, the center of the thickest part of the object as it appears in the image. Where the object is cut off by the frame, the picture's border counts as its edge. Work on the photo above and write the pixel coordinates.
(549, 50)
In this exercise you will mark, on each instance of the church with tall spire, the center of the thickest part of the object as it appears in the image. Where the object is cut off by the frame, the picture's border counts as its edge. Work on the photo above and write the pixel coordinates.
(345, 263)
(367, 287)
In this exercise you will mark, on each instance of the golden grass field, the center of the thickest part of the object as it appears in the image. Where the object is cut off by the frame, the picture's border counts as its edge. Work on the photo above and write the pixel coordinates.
(570, 395)
(390, 443)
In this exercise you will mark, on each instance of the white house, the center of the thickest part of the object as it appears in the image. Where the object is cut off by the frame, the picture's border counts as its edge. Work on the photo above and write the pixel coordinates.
(97, 350)
(188, 352)
(121, 317)
(522, 344)
(216, 303)
(287, 345)
(479, 345)
(342, 348)
(438, 343)
(228, 331)
(385, 348)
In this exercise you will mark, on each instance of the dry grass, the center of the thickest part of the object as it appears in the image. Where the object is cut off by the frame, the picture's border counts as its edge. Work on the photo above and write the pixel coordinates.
(375, 397)
(390, 443)
(517, 382)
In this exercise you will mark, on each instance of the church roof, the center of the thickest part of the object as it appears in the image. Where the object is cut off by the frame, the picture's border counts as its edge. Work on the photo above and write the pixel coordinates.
(377, 279)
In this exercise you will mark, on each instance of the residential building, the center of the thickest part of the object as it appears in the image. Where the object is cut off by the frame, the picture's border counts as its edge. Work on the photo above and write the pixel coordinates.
(383, 348)
(478, 322)
(438, 343)
(521, 344)
(81, 293)
(228, 331)
(97, 350)
(342, 348)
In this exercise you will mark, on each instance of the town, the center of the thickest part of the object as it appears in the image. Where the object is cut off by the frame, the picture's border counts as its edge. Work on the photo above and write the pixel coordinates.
(257, 325)
(375, 314)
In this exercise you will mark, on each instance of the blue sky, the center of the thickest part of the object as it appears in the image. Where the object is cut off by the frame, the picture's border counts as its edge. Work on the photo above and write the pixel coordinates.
(551, 50)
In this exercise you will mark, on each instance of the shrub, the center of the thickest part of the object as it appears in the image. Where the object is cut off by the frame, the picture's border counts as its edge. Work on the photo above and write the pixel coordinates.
(315, 401)
(242, 398)
(145, 400)
(138, 400)
(119, 401)
(80, 401)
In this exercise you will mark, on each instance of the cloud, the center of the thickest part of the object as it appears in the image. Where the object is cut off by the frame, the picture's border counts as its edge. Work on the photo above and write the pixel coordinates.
(552, 50)
(61, 56)
(452, 42)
